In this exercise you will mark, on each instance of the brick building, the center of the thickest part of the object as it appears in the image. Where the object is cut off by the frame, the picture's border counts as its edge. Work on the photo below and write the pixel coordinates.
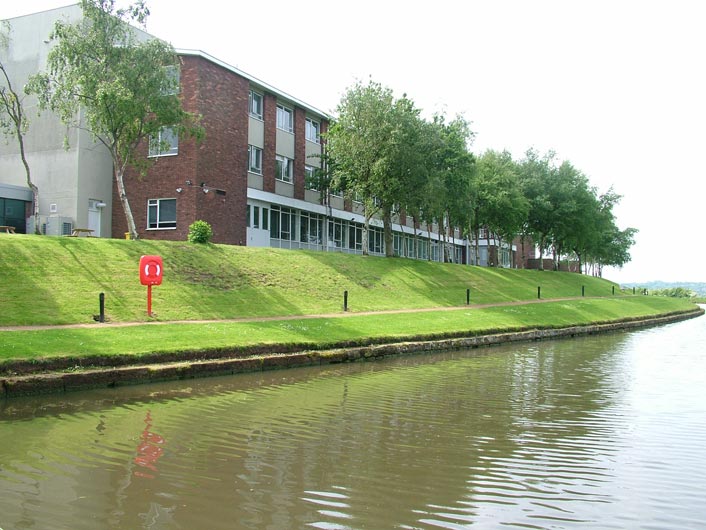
(247, 178)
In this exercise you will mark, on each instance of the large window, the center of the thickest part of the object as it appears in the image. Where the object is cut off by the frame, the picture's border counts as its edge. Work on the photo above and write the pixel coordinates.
(375, 241)
(161, 213)
(285, 119)
(310, 227)
(285, 169)
(310, 178)
(165, 143)
(12, 213)
(255, 159)
(312, 130)
(335, 233)
(282, 223)
(255, 104)
(355, 236)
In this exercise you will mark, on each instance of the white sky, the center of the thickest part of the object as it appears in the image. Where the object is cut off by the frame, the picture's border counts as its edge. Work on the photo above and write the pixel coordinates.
(617, 87)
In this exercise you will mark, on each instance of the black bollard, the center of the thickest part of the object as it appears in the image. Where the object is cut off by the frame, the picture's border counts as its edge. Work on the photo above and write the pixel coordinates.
(101, 307)
(468, 297)
(583, 290)
(614, 289)
(345, 300)
(539, 292)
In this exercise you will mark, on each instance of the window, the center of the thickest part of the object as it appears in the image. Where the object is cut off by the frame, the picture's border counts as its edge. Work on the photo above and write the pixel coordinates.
(335, 233)
(255, 159)
(285, 119)
(255, 104)
(355, 236)
(161, 213)
(173, 75)
(247, 216)
(256, 217)
(312, 130)
(310, 178)
(165, 143)
(282, 223)
(265, 219)
(375, 241)
(285, 169)
(310, 227)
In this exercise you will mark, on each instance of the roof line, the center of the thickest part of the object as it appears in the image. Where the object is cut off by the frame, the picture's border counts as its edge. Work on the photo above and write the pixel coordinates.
(259, 82)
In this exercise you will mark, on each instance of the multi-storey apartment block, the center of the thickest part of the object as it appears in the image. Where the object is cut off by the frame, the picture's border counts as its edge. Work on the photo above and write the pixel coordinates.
(250, 178)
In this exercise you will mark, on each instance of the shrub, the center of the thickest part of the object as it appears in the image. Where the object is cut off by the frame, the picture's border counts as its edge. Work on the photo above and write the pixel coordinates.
(200, 232)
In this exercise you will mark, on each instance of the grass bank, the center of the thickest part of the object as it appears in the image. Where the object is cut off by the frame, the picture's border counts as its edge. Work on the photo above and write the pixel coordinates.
(56, 281)
(50, 280)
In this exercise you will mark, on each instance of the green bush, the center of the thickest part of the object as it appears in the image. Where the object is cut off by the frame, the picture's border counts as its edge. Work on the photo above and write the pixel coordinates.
(200, 232)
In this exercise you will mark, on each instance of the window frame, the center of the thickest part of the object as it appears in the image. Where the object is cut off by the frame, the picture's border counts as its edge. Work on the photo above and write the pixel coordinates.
(313, 125)
(283, 111)
(284, 169)
(254, 151)
(309, 174)
(257, 110)
(154, 149)
(159, 224)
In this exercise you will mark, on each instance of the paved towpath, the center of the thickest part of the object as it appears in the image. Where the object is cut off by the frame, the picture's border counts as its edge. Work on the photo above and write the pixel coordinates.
(98, 325)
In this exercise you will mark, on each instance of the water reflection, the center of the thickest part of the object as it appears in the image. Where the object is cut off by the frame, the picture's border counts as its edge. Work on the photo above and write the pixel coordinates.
(550, 434)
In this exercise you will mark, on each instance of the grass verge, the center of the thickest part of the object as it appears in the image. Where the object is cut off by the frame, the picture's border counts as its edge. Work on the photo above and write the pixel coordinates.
(80, 345)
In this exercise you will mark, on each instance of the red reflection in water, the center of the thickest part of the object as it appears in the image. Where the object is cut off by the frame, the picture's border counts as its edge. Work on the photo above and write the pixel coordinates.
(149, 450)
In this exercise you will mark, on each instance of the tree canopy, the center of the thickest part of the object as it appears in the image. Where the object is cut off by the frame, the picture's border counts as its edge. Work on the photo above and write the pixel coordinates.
(381, 151)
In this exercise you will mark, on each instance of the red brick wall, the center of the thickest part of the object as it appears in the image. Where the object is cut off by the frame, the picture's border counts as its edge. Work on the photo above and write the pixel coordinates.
(219, 161)
(270, 150)
(299, 152)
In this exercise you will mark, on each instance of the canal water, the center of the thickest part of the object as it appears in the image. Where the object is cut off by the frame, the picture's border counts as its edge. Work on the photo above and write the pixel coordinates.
(601, 432)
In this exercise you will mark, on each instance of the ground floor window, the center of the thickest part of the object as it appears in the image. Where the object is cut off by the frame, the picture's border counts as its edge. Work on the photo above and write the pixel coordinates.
(161, 213)
(355, 237)
(335, 233)
(376, 240)
(282, 223)
(310, 228)
(12, 213)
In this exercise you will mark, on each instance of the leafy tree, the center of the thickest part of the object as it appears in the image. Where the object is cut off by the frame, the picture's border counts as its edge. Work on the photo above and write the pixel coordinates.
(104, 78)
(356, 142)
(499, 204)
(373, 149)
(451, 166)
(13, 119)
(535, 175)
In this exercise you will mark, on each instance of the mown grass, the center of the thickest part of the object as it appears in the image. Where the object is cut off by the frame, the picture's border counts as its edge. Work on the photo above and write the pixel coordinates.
(319, 332)
(49, 280)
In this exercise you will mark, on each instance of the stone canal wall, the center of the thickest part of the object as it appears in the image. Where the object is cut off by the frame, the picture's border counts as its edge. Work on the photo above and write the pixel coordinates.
(56, 378)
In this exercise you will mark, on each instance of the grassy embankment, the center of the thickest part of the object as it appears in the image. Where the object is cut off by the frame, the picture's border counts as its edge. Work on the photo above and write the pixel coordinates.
(52, 281)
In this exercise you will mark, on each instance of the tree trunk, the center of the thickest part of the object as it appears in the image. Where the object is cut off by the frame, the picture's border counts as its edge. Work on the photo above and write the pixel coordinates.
(119, 172)
(32, 186)
(387, 232)
(366, 226)
(541, 253)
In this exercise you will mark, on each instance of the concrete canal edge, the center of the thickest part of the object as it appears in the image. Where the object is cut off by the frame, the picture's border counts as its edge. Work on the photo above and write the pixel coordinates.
(108, 377)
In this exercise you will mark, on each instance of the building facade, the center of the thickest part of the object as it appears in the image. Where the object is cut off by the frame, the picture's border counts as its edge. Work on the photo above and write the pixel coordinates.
(72, 172)
(249, 177)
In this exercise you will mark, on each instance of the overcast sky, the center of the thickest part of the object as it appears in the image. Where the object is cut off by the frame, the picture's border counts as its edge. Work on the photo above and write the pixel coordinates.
(616, 87)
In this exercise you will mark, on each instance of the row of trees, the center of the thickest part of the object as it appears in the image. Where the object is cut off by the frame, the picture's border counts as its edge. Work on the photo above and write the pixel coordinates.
(383, 152)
